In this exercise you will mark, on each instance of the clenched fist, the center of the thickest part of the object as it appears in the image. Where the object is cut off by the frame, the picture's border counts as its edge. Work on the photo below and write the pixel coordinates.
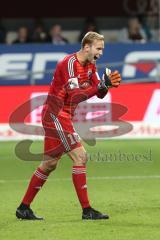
(110, 79)
(115, 78)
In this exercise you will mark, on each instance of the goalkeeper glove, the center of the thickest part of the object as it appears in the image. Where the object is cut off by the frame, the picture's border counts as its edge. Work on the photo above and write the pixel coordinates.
(109, 79)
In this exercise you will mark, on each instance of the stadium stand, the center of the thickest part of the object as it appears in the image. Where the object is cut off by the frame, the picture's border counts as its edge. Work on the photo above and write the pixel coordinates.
(11, 36)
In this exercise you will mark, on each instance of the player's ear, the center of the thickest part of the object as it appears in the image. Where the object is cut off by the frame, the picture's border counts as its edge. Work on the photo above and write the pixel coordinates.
(87, 47)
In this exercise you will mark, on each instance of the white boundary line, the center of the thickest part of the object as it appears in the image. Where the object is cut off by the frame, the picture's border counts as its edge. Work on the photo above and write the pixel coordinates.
(91, 178)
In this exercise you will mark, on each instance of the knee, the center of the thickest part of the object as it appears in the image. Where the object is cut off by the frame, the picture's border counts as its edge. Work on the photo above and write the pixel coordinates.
(81, 159)
(49, 165)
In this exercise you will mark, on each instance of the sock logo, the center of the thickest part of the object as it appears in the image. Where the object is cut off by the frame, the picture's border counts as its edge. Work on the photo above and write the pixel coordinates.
(38, 187)
(84, 186)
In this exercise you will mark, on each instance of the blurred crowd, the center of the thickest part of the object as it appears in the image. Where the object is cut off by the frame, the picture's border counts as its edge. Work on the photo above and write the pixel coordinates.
(134, 31)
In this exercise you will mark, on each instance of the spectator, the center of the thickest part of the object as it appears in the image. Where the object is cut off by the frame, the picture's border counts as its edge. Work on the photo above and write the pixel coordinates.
(89, 25)
(23, 35)
(39, 34)
(134, 32)
(55, 35)
(145, 24)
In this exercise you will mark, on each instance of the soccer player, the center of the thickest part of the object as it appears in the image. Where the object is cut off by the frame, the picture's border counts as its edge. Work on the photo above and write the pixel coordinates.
(75, 80)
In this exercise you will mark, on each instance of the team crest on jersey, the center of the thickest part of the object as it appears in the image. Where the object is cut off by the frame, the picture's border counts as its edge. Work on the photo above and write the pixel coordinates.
(89, 73)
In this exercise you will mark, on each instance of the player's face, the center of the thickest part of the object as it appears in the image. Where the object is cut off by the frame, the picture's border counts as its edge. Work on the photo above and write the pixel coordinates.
(95, 50)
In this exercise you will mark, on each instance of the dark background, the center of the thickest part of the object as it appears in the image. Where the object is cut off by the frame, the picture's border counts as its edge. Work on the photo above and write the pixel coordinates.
(57, 8)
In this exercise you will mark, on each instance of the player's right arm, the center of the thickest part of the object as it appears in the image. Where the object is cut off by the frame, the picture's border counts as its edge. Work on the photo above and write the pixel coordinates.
(57, 93)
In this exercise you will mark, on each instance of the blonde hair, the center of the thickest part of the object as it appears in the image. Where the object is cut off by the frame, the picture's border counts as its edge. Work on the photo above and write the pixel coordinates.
(89, 38)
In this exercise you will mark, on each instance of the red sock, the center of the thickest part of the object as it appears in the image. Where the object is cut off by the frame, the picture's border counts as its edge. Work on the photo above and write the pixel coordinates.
(37, 181)
(79, 181)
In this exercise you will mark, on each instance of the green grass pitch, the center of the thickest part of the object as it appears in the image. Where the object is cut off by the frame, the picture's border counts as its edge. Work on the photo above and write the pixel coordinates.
(123, 181)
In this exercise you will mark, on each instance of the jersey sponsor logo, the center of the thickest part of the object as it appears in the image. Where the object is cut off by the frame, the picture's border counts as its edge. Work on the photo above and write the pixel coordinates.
(85, 84)
(140, 63)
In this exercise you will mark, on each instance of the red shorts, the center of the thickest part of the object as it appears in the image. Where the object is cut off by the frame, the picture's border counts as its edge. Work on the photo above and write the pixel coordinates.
(60, 135)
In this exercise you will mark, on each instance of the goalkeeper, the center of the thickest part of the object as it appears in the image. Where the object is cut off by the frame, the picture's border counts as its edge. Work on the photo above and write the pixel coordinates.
(75, 80)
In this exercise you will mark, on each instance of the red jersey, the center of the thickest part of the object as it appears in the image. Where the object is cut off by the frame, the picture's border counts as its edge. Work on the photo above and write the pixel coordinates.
(72, 83)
